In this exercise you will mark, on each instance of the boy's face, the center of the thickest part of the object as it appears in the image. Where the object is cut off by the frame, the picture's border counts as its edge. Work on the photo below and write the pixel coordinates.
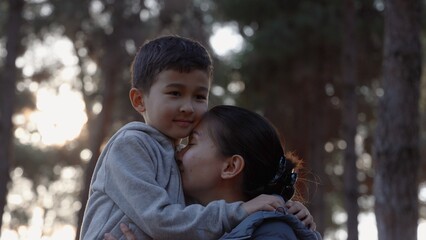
(175, 102)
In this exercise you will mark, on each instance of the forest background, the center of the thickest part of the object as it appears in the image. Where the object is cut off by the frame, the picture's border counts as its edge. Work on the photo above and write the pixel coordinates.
(340, 79)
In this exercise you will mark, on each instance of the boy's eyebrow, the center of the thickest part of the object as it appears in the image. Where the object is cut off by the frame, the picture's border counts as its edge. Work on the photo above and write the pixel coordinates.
(179, 85)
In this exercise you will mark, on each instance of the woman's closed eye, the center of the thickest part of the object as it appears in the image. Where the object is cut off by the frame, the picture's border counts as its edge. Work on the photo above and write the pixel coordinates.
(183, 150)
(190, 143)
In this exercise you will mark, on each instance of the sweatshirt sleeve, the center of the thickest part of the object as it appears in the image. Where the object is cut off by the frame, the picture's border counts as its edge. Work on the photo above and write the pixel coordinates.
(131, 183)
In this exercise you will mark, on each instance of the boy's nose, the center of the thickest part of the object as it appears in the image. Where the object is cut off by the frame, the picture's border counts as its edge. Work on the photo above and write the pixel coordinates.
(187, 106)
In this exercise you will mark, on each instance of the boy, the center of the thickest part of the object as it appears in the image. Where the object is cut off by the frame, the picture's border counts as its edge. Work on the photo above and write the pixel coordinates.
(136, 180)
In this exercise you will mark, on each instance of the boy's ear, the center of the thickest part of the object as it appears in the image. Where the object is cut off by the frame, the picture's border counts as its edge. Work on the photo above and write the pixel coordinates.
(232, 166)
(136, 98)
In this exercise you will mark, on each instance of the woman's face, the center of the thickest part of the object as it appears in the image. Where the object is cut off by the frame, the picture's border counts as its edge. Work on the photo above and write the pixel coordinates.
(200, 164)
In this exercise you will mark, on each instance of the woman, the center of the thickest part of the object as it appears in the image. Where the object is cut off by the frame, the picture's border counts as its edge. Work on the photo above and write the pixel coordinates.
(235, 154)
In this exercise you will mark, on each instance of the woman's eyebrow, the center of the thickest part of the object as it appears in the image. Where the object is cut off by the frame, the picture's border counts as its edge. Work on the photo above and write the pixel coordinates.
(195, 133)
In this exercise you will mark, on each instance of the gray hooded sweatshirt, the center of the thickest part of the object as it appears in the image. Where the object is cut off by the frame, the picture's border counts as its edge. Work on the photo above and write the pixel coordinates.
(137, 181)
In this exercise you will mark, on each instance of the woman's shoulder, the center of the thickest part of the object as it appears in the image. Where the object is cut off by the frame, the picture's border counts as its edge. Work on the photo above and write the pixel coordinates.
(270, 225)
(259, 223)
(274, 228)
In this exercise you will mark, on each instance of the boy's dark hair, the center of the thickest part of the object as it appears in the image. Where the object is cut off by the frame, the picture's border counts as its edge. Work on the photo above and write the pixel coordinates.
(168, 53)
(238, 131)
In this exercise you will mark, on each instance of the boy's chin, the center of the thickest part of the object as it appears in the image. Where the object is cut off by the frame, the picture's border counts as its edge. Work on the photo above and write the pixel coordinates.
(180, 135)
(177, 138)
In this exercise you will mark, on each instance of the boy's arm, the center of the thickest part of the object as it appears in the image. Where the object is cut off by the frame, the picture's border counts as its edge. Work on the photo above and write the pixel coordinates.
(131, 183)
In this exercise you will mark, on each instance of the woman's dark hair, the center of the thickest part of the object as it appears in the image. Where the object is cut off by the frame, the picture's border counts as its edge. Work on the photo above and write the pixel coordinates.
(267, 170)
(168, 53)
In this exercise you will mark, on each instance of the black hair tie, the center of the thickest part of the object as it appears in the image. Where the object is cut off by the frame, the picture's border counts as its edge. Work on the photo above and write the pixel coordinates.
(280, 171)
(287, 180)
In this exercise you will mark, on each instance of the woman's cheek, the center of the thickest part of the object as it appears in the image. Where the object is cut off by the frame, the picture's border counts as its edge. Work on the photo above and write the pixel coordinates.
(187, 161)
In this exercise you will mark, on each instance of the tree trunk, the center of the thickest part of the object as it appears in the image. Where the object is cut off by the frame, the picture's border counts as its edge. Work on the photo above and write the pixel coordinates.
(317, 130)
(7, 97)
(316, 159)
(349, 118)
(397, 136)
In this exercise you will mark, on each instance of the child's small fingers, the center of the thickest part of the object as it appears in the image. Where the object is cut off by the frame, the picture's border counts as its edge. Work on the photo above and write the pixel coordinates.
(289, 203)
(302, 214)
(124, 227)
(279, 204)
(292, 209)
(296, 204)
(310, 224)
(307, 220)
(127, 232)
(108, 236)
(313, 226)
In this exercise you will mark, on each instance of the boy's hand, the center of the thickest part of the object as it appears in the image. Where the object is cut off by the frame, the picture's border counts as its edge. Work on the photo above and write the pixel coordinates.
(126, 231)
(263, 202)
(302, 213)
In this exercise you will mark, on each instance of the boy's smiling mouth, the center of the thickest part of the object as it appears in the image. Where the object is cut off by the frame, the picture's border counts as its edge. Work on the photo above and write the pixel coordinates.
(183, 123)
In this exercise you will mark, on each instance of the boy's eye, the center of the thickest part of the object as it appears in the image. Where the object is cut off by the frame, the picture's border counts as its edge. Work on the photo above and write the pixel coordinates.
(201, 97)
(174, 93)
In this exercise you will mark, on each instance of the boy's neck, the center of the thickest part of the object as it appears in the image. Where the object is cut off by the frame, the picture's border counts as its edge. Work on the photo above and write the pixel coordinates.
(175, 142)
